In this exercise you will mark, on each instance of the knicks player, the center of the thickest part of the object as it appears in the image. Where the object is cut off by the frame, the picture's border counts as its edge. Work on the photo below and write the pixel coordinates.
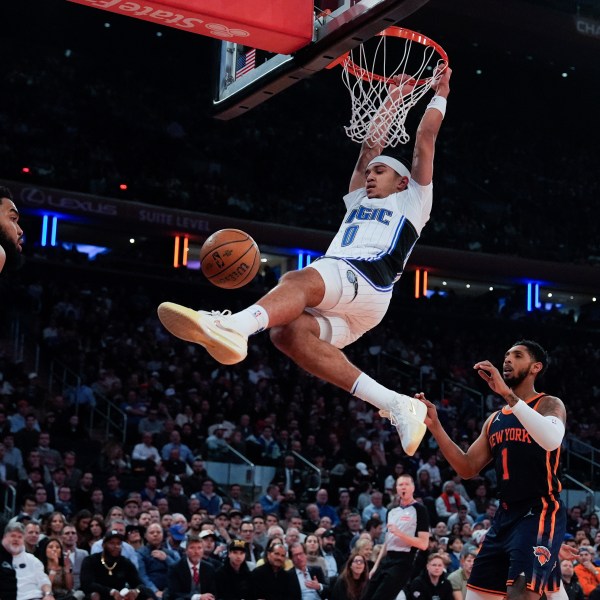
(316, 311)
(519, 556)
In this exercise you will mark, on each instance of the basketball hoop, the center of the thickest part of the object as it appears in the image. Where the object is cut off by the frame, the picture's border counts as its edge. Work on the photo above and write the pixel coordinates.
(367, 75)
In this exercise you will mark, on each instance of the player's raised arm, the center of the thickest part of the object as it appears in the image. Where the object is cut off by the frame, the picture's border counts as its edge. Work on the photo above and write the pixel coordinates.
(376, 138)
(422, 163)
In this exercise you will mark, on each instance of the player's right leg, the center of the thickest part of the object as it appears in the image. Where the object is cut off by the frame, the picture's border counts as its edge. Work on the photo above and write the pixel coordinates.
(225, 336)
(310, 342)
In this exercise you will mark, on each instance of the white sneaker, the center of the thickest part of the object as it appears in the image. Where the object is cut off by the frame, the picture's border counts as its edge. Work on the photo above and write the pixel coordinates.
(407, 415)
(213, 330)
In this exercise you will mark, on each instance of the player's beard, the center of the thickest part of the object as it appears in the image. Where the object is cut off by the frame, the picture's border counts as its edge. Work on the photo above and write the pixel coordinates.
(516, 379)
(14, 258)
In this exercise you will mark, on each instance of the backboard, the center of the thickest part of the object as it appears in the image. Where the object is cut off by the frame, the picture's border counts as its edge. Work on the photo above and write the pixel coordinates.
(246, 77)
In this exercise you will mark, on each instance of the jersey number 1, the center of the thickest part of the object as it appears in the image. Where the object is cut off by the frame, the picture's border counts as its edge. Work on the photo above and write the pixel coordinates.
(505, 475)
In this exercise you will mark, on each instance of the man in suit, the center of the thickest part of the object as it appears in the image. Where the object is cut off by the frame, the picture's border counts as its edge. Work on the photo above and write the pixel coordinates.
(271, 582)
(289, 475)
(73, 555)
(192, 578)
(310, 581)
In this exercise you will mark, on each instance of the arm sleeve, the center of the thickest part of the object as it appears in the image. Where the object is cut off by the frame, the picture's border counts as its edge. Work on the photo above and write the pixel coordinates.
(548, 431)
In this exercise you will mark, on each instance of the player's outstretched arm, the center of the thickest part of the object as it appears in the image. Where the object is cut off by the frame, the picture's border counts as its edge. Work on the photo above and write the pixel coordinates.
(422, 163)
(466, 464)
(375, 141)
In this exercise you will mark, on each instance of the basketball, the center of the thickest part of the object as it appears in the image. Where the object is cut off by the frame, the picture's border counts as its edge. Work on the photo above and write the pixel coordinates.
(229, 258)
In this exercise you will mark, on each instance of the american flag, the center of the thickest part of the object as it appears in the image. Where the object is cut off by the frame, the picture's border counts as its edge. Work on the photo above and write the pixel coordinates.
(245, 62)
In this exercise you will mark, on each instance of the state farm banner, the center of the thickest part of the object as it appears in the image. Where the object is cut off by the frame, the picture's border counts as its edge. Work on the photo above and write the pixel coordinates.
(279, 26)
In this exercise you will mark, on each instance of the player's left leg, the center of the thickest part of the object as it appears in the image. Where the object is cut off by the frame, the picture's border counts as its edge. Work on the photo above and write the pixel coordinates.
(302, 341)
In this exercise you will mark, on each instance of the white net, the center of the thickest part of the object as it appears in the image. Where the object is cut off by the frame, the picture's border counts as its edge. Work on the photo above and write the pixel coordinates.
(378, 116)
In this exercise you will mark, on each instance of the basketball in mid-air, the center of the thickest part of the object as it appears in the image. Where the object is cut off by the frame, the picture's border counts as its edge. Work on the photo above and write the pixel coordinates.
(229, 258)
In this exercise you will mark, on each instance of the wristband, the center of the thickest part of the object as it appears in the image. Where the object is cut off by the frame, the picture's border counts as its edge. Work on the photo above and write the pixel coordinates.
(439, 103)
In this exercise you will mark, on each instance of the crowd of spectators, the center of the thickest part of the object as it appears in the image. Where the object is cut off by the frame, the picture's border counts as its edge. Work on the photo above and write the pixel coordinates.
(184, 411)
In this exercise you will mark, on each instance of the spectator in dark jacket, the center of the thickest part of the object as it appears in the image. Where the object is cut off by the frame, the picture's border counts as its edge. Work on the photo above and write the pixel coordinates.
(430, 583)
(570, 581)
(234, 579)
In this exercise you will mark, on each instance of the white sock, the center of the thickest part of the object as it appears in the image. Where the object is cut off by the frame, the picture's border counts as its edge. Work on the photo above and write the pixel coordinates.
(251, 320)
(367, 389)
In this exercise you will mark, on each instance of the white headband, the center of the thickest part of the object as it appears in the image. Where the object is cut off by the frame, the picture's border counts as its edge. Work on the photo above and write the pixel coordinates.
(394, 164)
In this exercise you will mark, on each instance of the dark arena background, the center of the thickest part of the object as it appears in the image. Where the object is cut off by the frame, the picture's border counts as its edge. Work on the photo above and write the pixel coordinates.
(120, 172)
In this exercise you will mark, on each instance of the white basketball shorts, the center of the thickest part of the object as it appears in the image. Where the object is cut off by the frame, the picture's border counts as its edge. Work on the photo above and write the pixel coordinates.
(350, 307)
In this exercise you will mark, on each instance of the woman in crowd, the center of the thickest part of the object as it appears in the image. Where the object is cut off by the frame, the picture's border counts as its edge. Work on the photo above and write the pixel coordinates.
(81, 521)
(97, 530)
(364, 548)
(313, 556)
(59, 572)
(353, 579)
(115, 512)
(54, 524)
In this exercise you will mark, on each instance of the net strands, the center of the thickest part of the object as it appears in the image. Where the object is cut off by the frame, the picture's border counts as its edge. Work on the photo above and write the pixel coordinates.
(369, 91)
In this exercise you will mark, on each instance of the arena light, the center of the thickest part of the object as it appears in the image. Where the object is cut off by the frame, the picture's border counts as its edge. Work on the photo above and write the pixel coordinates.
(186, 249)
(176, 253)
(25, 170)
(421, 283)
(123, 186)
(533, 296)
(54, 229)
(44, 240)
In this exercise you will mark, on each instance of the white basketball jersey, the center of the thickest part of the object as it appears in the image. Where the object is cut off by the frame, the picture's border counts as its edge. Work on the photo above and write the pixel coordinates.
(377, 235)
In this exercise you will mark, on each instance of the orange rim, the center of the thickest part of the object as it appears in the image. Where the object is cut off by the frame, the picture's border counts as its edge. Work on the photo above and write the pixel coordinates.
(398, 32)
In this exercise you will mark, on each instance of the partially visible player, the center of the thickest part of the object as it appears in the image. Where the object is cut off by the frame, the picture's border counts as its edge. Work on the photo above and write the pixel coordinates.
(519, 556)
(316, 311)
(11, 233)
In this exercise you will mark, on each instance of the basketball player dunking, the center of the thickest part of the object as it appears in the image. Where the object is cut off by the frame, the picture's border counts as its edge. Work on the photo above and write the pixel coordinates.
(518, 558)
(316, 311)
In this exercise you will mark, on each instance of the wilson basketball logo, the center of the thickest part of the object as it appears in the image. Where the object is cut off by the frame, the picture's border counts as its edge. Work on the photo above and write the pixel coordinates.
(542, 553)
